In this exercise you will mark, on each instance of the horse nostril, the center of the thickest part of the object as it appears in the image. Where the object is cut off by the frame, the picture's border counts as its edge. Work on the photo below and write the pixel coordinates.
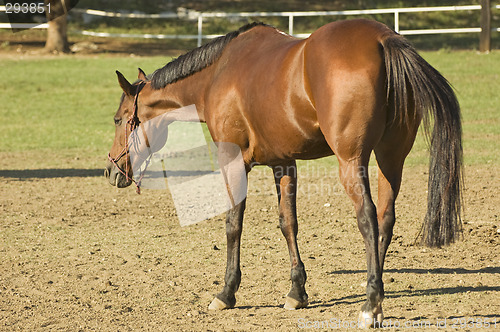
(106, 173)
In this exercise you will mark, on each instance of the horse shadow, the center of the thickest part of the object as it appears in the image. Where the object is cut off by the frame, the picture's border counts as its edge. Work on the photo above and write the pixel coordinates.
(360, 298)
(50, 173)
(458, 270)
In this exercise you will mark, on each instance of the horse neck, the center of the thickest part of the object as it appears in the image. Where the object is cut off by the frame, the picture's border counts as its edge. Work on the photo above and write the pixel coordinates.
(190, 91)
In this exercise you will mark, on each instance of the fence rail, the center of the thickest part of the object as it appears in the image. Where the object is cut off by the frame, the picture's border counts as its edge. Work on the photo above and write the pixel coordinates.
(23, 26)
(200, 17)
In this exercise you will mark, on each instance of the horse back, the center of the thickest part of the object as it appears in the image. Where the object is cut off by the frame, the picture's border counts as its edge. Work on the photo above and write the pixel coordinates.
(277, 94)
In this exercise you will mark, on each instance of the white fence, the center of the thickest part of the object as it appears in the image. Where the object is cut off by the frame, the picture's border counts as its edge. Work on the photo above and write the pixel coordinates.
(200, 17)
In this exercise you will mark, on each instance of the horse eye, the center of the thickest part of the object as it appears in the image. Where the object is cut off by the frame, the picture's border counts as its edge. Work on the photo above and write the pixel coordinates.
(118, 121)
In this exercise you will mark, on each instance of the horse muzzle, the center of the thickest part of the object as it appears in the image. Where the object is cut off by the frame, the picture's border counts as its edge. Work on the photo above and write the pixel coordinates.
(115, 176)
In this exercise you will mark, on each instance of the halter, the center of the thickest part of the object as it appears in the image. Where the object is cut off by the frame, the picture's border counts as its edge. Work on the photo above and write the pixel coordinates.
(132, 124)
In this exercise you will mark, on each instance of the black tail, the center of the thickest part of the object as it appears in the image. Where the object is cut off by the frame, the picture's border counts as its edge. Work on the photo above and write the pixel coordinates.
(419, 90)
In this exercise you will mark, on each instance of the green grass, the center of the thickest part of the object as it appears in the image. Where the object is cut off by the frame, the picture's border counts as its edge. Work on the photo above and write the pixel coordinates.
(63, 106)
(475, 78)
(58, 111)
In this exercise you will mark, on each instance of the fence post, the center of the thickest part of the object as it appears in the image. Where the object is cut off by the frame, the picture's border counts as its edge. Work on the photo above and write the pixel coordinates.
(200, 29)
(485, 37)
(396, 21)
(290, 25)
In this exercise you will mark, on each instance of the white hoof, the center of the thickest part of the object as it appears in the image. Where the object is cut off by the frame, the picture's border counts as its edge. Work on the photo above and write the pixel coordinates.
(292, 304)
(369, 319)
(218, 305)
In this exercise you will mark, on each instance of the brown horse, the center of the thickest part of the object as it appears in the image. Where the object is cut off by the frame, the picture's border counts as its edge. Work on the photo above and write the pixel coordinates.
(351, 88)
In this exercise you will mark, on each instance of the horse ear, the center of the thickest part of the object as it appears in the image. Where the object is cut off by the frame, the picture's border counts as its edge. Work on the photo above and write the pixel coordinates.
(126, 86)
(142, 75)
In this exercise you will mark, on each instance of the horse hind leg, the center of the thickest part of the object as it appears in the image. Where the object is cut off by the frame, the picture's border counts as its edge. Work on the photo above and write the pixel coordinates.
(390, 154)
(354, 177)
(389, 182)
(353, 123)
(376, 224)
(388, 186)
(286, 185)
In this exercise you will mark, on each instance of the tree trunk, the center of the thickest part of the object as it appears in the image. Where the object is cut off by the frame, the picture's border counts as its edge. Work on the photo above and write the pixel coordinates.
(57, 39)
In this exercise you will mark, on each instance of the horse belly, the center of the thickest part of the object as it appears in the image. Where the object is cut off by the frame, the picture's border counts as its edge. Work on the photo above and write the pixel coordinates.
(281, 139)
(311, 149)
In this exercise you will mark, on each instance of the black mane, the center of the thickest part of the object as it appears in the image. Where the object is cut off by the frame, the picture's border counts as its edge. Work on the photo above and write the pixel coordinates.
(195, 60)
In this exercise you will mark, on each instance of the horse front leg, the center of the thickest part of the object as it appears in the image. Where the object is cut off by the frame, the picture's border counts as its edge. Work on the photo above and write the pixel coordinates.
(234, 172)
(285, 177)
(234, 222)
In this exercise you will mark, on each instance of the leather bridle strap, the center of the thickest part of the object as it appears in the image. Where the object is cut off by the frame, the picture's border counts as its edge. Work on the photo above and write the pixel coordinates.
(132, 124)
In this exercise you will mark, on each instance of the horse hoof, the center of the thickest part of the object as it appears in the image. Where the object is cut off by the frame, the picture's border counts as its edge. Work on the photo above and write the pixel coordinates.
(218, 305)
(368, 319)
(292, 304)
(380, 317)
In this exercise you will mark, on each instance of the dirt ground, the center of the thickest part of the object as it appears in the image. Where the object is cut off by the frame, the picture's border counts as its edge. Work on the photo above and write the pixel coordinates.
(81, 255)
